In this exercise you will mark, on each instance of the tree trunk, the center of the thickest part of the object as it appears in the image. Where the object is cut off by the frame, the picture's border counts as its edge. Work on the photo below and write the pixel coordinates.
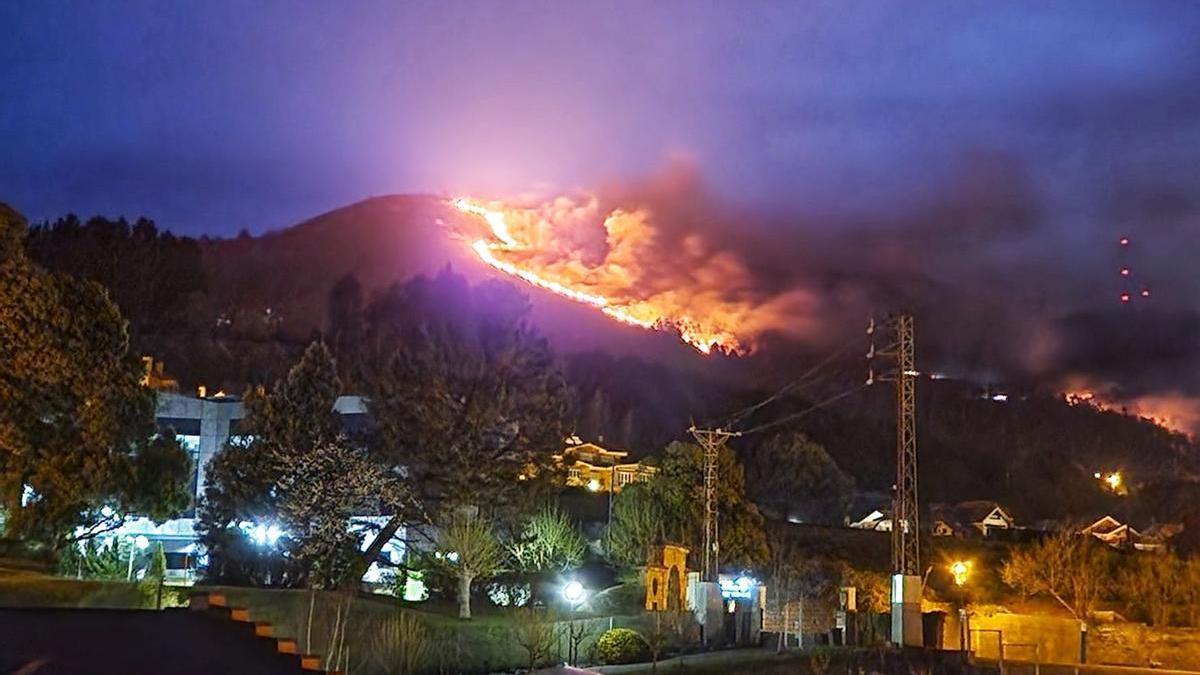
(800, 624)
(464, 596)
(372, 552)
(782, 630)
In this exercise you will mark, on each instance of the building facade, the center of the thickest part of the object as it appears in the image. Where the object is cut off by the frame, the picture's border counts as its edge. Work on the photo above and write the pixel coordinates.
(599, 469)
(203, 425)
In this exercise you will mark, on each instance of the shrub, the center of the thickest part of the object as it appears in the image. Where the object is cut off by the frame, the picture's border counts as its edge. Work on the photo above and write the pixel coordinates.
(509, 594)
(402, 644)
(622, 645)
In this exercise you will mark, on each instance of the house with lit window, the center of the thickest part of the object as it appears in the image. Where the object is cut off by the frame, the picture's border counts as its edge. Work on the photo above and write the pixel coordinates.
(599, 469)
(878, 520)
(1124, 536)
(1119, 535)
(979, 518)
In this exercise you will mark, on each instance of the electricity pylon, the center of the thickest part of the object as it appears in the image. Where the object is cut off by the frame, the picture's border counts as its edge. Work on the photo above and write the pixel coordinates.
(901, 369)
(711, 441)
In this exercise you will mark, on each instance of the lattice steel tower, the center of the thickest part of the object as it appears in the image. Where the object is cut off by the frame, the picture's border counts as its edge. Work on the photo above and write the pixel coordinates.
(906, 526)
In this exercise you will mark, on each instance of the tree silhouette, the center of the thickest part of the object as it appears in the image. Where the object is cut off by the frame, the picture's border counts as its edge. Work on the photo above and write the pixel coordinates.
(76, 426)
(471, 402)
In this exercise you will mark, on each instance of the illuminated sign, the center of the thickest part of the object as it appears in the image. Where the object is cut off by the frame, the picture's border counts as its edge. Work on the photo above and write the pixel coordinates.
(737, 587)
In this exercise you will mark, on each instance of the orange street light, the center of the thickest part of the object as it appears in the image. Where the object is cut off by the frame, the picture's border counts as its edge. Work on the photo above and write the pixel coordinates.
(960, 570)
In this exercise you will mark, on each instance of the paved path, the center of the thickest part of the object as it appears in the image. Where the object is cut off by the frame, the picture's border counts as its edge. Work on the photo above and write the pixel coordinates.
(724, 656)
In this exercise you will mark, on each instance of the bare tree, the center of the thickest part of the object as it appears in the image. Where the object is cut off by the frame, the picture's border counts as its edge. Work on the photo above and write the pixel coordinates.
(402, 644)
(533, 630)
(1189, 585)
(470, 550)
(1152, 585)
(1068, 567)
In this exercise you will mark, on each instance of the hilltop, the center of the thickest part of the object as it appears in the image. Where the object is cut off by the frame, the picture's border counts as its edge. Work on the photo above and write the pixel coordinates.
(232, 312)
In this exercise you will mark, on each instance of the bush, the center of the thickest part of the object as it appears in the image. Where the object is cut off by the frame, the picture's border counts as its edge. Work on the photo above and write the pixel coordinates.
(622, 645)
(402, 644)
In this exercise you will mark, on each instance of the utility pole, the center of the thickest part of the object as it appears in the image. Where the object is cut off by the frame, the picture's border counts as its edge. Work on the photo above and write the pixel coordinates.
(708, 605)
(906, 528)
(711, 441)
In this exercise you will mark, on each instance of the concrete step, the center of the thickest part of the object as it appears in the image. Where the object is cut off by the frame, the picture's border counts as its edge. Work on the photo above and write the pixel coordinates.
(311, 662)
(286, 646)
(240, 614)
(205, 601)
(264, 629)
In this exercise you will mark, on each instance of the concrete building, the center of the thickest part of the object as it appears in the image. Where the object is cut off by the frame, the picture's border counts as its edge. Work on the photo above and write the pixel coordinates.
(204, 424)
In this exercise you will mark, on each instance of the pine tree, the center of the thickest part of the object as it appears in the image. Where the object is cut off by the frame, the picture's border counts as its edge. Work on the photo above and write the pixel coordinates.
(471, 399)
(76, 426)
(298, 472)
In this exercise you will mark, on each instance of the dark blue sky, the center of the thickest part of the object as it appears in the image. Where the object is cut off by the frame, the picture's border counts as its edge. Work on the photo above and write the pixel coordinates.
(213, 116)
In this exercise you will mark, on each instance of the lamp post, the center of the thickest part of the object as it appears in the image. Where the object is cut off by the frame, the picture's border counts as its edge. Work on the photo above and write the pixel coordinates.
(960, 570)
(612, 488)
(574, 594)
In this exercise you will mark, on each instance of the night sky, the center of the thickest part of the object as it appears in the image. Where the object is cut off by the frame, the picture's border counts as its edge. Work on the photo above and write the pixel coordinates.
(212, 116)
(1017, 138)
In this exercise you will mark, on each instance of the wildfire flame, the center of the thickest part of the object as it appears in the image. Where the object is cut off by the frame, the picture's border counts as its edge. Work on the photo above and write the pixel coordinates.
(1171, 410)
(627, 276)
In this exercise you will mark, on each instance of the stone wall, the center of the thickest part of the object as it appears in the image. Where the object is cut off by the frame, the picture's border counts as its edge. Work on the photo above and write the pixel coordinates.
(1137, 644)
(1056, 639)
(814, 618)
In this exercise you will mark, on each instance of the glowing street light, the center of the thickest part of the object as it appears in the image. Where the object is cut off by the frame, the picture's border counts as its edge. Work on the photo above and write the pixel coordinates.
(573, 592)
(960, 570)
(593, 485)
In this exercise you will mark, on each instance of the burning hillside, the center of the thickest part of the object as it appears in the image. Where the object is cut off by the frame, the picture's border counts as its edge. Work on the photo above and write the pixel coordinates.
(1172, 410)
(619, 262)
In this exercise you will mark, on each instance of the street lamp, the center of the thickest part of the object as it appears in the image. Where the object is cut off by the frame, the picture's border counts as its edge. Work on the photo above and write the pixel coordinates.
(574, 593)
(960, 570)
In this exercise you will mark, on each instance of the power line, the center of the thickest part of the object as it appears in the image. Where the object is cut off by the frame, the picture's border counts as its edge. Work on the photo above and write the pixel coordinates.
(810, 374)
(812, 408)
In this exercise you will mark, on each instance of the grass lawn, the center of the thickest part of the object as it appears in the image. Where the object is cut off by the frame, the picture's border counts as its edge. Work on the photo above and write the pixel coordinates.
(488, 642)
(23, 585)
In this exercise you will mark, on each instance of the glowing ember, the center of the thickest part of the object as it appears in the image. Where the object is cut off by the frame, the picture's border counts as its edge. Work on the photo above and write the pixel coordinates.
(630, 275)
